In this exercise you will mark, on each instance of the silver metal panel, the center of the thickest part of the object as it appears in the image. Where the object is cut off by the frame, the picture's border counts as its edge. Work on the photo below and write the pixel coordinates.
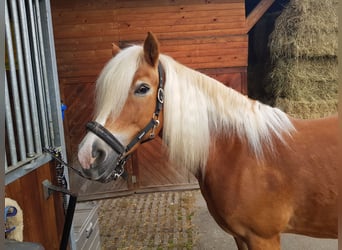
(33, 100)
(21, 170)
(33, 116)
(44, 69)
(50, 71)
(14, 87)
(22, 78)
(50, 57)
(37, 66)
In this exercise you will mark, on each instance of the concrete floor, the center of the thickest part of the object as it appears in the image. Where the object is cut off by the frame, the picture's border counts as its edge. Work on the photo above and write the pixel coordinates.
(212, 237)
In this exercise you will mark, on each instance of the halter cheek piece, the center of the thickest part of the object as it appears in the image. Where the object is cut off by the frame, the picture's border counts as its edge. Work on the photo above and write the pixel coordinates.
(96, 128)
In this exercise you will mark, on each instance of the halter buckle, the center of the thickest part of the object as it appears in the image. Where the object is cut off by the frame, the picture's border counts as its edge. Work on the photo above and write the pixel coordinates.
(156, 124)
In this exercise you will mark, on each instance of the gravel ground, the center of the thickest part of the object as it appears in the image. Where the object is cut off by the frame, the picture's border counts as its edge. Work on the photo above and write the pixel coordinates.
(174, 220)
(148, 221)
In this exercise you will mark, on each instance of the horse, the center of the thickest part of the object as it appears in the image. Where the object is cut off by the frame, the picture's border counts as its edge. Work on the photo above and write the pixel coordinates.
(260, 171)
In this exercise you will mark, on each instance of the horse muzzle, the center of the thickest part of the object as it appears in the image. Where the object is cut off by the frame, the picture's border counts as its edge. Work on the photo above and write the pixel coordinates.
(109, 155)
(106, 172)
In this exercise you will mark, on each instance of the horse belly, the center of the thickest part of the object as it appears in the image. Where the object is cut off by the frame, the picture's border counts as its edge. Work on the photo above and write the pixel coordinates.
(311, 164)
(319, 223)
(315, 207)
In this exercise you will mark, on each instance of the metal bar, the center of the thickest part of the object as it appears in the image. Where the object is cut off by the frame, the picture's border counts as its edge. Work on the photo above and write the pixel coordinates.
(38, 74)
(44, 71)
(9, 128)
(14, 87)
(6, 165)
(33, 115)
(47, 28)
(22, 79)
(46, 20)
(23, 168)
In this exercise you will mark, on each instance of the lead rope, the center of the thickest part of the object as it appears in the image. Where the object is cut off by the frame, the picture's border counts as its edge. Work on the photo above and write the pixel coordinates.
(60, 164)
(61, 180)
(61, 161)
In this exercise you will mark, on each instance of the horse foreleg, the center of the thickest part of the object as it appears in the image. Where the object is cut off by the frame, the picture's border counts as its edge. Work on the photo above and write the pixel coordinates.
(241, 245)
(256, 243)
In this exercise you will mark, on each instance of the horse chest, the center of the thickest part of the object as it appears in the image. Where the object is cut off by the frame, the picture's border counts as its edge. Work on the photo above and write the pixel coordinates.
(247, 195)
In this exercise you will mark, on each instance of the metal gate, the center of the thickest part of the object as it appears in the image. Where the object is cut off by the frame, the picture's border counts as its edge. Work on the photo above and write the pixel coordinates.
(32, 101)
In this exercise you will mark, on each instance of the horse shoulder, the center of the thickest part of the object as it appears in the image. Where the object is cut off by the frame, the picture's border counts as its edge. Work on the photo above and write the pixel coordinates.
(239, 190)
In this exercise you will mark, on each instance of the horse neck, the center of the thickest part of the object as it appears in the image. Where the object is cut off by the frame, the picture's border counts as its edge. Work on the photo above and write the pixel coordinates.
(223, 99)
(199, 108)
(227, 108)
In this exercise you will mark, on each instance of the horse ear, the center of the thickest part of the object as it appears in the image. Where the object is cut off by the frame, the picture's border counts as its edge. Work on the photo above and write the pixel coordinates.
(115, 49)
(151, 49)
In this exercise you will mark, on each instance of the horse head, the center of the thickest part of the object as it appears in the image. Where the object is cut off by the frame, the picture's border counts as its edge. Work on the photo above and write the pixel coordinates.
(129, 99)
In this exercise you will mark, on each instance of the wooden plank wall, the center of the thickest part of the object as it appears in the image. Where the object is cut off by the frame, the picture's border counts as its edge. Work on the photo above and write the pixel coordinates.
(199, 35)
(43, 219)
(155, 170)
(205, 35)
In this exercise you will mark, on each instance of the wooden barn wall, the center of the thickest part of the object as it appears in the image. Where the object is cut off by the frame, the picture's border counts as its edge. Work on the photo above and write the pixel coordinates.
(205, 35)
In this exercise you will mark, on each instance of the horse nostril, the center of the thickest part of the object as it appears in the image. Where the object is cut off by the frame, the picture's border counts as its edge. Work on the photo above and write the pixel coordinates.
(98, 153)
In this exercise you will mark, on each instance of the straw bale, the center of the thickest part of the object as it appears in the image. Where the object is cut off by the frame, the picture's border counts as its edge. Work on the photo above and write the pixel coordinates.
(300, 79)
(306, 28)
(307, 109)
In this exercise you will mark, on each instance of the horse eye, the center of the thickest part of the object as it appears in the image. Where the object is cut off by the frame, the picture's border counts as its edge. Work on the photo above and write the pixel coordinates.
(142, 89)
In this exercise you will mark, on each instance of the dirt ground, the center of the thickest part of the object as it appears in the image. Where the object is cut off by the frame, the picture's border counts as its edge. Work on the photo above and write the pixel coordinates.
(174, 220)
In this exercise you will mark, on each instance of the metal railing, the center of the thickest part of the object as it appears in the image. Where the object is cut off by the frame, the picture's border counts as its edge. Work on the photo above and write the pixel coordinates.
(33, 115)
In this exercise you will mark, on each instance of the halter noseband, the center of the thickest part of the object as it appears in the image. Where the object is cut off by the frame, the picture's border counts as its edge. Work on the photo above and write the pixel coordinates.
(116, 145)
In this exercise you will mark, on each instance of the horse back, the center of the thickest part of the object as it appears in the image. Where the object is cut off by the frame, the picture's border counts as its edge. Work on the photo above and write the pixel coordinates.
(316, 141)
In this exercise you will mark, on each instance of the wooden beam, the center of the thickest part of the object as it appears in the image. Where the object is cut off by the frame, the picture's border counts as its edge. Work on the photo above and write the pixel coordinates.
(257, 13)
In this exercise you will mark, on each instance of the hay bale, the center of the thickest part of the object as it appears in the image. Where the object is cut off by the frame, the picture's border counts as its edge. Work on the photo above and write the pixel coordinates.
(310, 80)
(303, 51)
(307, 109)
(306, 28)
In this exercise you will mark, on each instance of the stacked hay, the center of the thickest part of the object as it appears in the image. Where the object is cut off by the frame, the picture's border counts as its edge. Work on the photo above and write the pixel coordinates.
(303, 48)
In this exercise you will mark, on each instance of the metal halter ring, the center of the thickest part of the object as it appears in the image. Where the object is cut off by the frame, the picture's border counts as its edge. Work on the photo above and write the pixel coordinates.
(160, 95)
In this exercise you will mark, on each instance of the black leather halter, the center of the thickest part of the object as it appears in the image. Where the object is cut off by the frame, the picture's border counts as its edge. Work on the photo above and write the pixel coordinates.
(115, 144)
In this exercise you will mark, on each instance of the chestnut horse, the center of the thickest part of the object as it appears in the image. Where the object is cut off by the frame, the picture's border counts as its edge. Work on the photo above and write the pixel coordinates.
(260, 171)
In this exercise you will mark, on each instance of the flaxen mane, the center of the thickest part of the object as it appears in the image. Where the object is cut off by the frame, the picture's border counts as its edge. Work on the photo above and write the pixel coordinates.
(196, 108)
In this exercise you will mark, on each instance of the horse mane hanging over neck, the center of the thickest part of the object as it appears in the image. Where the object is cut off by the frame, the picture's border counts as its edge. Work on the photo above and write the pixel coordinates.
(198, 107)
